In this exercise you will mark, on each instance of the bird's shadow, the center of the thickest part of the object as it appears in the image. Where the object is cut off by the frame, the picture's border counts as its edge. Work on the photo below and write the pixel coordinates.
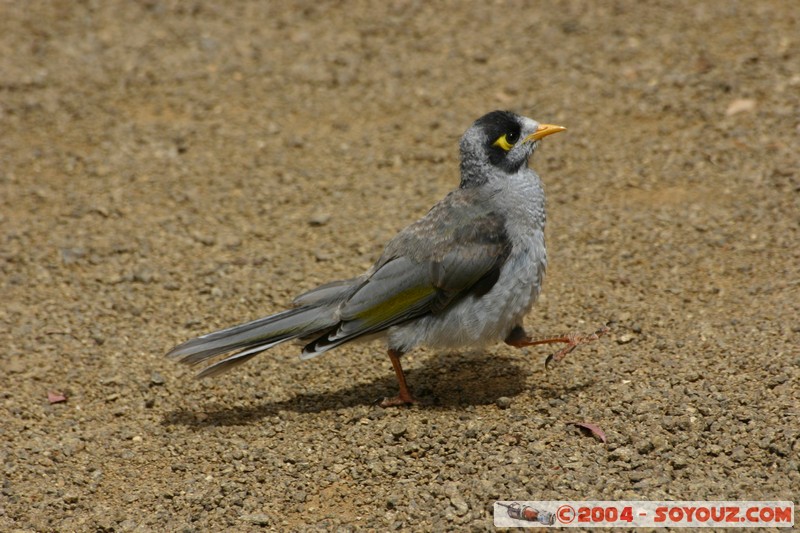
(450, 382)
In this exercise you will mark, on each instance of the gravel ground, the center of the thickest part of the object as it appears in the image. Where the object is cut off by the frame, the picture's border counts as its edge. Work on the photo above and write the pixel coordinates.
(169, 168)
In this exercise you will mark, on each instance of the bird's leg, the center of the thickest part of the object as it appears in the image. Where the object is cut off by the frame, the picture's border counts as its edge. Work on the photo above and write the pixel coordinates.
(519, 339)
(404, 397)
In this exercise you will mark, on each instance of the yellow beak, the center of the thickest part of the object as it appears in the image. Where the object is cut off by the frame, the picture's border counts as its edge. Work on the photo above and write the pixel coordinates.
(543, 131)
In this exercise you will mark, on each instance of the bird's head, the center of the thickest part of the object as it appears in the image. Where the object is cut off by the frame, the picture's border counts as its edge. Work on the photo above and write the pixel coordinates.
(500, 141)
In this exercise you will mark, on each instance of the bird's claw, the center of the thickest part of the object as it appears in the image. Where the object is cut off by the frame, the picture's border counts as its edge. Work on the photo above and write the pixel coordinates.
(574, 340)
(396, 401)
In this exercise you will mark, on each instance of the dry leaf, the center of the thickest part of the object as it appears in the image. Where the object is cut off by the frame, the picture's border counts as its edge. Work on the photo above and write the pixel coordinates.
(55, 397)
(594, 429)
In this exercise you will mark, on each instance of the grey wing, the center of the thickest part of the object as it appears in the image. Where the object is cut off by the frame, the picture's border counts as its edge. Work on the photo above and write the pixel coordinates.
(329, 292)
(456, 250)
(462, 241)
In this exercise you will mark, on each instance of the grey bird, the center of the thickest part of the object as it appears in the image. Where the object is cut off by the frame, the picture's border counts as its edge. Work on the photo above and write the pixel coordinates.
(464, 275)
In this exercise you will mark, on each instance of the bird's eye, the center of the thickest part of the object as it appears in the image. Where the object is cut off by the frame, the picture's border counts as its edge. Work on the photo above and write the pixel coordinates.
(506, 141)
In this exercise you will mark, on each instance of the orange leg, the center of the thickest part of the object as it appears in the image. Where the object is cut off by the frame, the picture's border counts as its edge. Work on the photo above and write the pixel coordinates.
(519, 339)
(404, 397)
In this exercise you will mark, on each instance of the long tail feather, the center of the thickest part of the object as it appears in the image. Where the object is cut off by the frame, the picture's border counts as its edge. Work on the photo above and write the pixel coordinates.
(234, 360)
(253, 337)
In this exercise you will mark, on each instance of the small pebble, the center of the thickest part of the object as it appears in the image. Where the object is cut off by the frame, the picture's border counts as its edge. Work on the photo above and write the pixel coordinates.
(258, 519)
(459, 505)
(398, 429)
(319, 219)
(503, 402)
(625, 338)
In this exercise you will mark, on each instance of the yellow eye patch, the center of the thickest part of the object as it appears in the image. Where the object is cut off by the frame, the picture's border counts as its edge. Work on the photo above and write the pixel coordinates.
(502, 142)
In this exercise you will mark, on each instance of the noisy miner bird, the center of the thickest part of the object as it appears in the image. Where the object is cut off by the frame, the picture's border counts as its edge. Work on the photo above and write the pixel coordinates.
(464, 275)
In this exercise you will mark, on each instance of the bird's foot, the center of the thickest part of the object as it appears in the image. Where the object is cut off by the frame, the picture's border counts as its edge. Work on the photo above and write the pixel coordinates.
(519, 339)
(404, 398)
(400, 399)
(573, 340)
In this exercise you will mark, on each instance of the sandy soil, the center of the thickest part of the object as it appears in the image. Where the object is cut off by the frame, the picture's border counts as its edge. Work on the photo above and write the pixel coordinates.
(169, 168)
